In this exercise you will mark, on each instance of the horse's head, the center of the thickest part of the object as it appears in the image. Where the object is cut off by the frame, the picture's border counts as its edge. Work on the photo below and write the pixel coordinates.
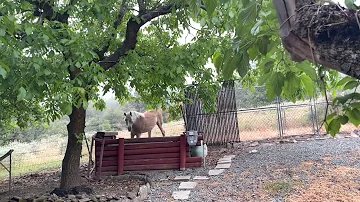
(129, 120)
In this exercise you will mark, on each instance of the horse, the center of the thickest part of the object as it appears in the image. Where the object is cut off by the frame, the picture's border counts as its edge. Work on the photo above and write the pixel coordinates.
(138, 123)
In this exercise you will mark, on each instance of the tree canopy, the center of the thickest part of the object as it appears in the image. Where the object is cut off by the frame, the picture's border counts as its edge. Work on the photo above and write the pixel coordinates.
(57, 56)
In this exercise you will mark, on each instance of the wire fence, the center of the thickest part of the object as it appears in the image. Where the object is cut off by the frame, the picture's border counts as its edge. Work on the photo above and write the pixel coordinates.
(36, 156)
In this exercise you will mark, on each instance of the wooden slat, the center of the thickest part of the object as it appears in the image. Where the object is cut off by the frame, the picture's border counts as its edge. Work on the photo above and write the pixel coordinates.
(193, 165)
(151, 145)
(107, 141)
(152, 151)
(193, 159)
(152, 156)
(107, 148)
(108, 153)
(152, 167)
(151, 161)
(153, 139)
(107, 163)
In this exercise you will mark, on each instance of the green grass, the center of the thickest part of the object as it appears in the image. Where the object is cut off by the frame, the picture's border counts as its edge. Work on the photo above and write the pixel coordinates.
(278, 188)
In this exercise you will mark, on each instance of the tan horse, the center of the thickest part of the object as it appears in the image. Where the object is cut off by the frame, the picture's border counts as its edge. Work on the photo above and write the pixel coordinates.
(138, 123)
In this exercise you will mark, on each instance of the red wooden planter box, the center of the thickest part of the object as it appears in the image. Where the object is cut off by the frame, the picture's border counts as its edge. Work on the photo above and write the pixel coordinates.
(115, 156)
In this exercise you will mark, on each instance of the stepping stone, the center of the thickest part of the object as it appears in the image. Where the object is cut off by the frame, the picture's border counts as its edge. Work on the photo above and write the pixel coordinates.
(182, 178)
(181, 195)
(201, 178)
(253, 151)
(221, 166)
(224, 161)
(187, 185)
(229, 156)
(216, 172)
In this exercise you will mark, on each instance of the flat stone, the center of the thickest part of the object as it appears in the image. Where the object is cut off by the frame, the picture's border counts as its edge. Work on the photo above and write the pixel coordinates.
(224, 162)
(181, 178)
(253, 151)
(187, 185)
(225, 159)
(181, 195)
(84, 200)
(216, 172)
(229, 156)
(254, 144)
(221, 166)
(201, 178)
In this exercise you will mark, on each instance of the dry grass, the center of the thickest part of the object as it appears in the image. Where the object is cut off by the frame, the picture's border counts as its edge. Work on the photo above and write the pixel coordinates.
(338, 183)
(35, 156)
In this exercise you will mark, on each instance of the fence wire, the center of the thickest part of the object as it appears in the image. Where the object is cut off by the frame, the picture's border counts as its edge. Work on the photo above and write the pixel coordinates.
(44, 154)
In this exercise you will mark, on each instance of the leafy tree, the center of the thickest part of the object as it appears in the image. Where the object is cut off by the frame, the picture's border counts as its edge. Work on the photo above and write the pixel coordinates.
(55, 54)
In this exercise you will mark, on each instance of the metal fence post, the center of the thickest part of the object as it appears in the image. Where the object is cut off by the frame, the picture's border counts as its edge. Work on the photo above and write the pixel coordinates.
(278, 110)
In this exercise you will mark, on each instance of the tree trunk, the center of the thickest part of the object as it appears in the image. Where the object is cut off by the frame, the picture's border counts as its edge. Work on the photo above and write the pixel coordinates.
(70, 175)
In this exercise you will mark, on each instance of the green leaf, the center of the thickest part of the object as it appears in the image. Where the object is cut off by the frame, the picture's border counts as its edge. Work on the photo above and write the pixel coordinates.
(2, 32)
(345, 80)
(351, 85)
(210, 6)
(243, 65)
(263, 44)
(268, 65)
(47, 72)
(28, 30)
(277, 82)
(355, 105)
(345, 98)
(248, 14)
(245, 2)
(343, 119)
(270, 92)
(78, 64)
(263, 78)
(230, 66)
(308, 84)
(218, 61)
(3, 65)
(334, 127)
(256, 28)
(3, 72)
(21, 94)
(354, 116)
(308, 69)
(292, 83)
(66, 108)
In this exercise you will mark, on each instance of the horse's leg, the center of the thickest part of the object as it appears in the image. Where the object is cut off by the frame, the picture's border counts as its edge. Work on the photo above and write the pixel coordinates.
(149, 134)
(159, 124)
(132, 135)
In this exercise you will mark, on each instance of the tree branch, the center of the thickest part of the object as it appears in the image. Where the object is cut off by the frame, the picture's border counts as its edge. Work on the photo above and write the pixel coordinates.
(46, 10)
(142, 6)
(132, 31)
(119, 19)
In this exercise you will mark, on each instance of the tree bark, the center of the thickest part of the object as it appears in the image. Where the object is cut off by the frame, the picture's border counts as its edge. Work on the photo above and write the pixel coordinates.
(70, 175)
(322, 34)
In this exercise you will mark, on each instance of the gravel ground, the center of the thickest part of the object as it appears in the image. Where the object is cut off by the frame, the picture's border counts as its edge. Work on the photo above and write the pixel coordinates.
(278, 172)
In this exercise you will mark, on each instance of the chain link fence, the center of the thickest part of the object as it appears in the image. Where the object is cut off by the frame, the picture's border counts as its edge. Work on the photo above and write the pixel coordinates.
(260, 119)
(44, 154)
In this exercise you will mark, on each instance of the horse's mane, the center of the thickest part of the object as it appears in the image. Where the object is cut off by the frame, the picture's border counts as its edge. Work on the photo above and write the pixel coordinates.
(136, 115)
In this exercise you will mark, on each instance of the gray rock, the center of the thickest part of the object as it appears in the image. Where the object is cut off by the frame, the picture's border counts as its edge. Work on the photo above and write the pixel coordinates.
(132, 195)
(143, 192)
(84, 199)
